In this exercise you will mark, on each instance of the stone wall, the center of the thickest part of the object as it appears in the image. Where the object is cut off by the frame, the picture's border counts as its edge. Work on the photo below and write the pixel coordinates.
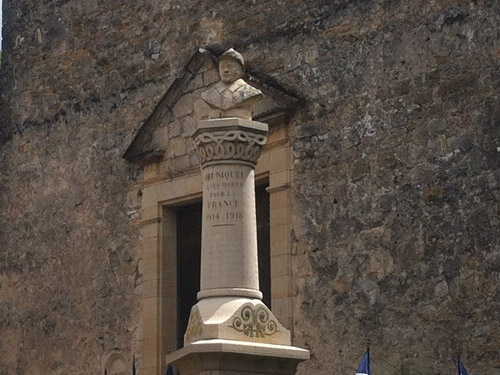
(396, 179)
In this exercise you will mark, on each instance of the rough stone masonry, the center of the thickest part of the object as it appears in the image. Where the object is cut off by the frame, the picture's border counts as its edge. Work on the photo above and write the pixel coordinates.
(395, 188)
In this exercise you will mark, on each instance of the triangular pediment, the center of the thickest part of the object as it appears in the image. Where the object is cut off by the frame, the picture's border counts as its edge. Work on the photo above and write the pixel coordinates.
(173, 115)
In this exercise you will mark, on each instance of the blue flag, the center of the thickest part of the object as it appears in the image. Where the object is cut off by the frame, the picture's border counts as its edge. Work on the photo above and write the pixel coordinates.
(364, 367)
(461, 368)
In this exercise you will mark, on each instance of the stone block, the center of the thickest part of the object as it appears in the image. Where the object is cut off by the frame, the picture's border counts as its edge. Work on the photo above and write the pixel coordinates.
(263, 164)
(181, 163)
(281, 287)
(280, 216)
(150, 230)
(277, 135)
(176, 147)
(150, 242)
(150, 288)
(279, 199)
(149, 268)
(160, 138)
(280, 238)
(151, 195)
(210, 77)
(279, 160)
(278, 249)
(183, 106)
(150, 311)
(195, 83)
(174, 130)
(149, 349)
(188, 126)
(193, 184)
(176, 89)
(282, 308)
(169, 280)
(149, 326)
(279, 179)
(134, 198)
(151, 171)
(190, 147)
(148, 213)
(196, 62)
(280, 265)
(172, 189)
(194, 161)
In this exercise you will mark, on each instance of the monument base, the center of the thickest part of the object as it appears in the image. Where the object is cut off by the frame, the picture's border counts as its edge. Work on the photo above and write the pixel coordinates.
(235, 318)
(229, 357)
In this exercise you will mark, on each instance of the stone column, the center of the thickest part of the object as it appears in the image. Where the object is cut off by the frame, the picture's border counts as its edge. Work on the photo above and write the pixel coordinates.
(230, 305)
(228, 150)
(230, 330)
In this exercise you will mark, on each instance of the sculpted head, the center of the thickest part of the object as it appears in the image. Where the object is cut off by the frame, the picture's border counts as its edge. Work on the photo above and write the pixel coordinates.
(231, 66)
(231, 96)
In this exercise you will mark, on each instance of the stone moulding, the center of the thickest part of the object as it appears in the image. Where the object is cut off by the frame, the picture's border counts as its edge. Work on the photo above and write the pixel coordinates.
(229, 357)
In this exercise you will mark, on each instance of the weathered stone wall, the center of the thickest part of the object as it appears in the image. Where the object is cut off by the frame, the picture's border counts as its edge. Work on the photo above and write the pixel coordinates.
(396, 185)
(397, 188)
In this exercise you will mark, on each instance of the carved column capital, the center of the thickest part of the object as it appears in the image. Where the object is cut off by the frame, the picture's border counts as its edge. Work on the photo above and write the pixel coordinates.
(229, 140)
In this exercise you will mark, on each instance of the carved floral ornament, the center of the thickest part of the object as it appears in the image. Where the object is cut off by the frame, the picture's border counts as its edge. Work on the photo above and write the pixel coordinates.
(235, 145)
(254, 322)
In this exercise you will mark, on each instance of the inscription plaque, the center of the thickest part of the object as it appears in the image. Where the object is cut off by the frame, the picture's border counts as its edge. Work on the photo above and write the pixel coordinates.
(223, 205)
(229, 222)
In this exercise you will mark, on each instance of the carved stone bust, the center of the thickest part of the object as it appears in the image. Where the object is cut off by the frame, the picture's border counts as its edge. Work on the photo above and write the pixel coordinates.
(232, 96)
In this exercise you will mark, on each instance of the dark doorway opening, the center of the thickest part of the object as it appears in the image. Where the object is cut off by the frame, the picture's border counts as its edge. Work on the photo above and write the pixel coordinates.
(188, 264)
(263, 242)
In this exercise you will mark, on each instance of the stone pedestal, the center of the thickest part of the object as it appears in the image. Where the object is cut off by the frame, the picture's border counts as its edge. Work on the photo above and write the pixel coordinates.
(225, 357)
(240, 319)
(230, 330)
